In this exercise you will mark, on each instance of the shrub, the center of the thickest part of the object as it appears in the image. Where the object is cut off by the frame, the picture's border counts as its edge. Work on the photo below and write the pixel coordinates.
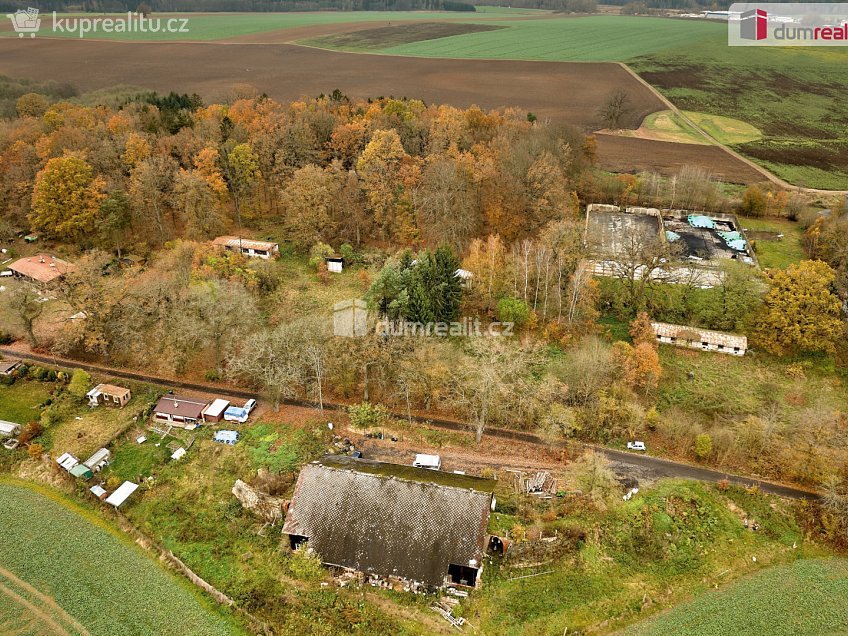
(512, 310)
(703, 446)
(305, 564)
(35, 450)
(366, 415)
(80, 384)
(30, 432)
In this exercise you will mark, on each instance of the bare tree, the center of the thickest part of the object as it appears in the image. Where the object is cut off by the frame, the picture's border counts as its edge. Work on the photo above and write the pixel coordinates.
(615, 109)
(24, 303)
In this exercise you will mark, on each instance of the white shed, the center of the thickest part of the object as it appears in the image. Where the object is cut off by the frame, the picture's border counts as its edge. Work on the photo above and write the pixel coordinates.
(9, 429)
(121, 494)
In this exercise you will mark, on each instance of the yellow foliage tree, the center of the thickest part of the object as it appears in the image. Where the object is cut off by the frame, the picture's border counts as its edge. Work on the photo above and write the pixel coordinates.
(66, 199)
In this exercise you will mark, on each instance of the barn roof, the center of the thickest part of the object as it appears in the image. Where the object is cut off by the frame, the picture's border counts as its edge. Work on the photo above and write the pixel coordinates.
(700, 335)
(180, 406)
(236, 242)
(390, 520)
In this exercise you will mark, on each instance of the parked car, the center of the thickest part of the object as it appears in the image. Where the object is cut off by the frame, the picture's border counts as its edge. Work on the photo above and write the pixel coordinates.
(249, 406)
(637, 446)
(431, 462)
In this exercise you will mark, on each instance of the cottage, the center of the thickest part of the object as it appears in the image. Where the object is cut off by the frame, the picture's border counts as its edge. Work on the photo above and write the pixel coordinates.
(99, 460)
(179, 411)
(8, 367)
(121, 494)
(215, 411)
(415, 524)
(109, 394)
(703, 339)
(9, 429)
(248, 247)
(41, 268)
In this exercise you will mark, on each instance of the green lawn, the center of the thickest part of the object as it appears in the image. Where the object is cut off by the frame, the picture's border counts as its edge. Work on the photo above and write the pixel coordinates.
(20, 402)
(779, 252)
(210, 27)
(97, 577)
(805, 597)
(587, 39)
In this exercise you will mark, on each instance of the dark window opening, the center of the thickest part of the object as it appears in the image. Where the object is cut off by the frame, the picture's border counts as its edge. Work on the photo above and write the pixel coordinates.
(296, 540)
(496, 545)
(462, 575)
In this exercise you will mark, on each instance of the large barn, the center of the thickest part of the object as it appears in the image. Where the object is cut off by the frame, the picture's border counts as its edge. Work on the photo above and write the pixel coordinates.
(420, 525)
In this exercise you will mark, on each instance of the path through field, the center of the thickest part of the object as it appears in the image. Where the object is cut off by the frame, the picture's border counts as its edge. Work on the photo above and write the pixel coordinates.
(40, 612)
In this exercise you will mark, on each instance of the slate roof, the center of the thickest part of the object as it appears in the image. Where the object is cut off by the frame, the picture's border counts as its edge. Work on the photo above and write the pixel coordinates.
(390, 520)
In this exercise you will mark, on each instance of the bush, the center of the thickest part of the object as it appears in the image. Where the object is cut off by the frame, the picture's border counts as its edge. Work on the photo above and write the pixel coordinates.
(703, 446)
(512, 310)
(366, 415)
(305, 565)
(80, 384)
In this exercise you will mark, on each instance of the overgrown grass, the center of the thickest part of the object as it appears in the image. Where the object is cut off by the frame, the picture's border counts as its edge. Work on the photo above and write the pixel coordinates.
(21, 402)
(776, 252)
(639, 557)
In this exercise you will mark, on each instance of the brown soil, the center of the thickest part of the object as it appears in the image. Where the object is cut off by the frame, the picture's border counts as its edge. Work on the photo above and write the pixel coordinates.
(631, 154)
(383, 37)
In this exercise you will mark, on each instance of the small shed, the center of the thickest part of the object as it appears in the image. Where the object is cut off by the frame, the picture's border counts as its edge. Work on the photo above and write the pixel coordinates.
(227, 437)
(178, 454)
(81, 471)
(99, 460)
(8, 367)
(121, 494)
(335, 264)
(67, 461)
(98, 491)
(109, 394)
(215, 411)
(9, 429)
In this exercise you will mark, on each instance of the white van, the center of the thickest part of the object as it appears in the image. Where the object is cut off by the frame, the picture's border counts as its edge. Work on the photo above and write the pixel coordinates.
(431, 462)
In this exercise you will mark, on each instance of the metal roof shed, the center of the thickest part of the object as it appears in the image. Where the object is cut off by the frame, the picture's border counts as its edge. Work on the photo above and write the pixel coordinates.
(121, 494)
(81, 471)
(9, 429)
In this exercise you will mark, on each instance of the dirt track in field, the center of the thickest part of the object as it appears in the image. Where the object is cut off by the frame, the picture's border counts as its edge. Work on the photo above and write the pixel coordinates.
(47, 611)
(559, 91)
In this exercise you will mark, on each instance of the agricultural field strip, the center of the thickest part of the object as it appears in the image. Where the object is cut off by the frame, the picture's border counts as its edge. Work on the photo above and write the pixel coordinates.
(41, 605)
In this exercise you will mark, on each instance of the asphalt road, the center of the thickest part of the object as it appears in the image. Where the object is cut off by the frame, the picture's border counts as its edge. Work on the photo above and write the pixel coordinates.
(641, 465)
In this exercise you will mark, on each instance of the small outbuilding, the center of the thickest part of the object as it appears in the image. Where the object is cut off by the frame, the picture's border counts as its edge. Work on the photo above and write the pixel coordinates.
(109, 394)
(9, 429)
(81, 471)
(335, 264)
(67, 461)
(8, 367)
(98, 491)
(123, 492)
(99, 460)
(215, 411)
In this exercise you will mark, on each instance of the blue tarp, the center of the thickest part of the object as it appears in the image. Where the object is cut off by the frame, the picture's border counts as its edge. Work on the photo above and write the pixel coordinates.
(738, 245)
(671, 237)
(235, 412)
(698, 220)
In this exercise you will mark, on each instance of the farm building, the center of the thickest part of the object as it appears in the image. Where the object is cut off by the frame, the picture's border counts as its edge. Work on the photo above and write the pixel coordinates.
(121, 494)
(704, 339)
(414, 524)
(8, 367)
(9, 429)
(98, 491)
(179, 411)
(215, 411)
(41, 268)
(108, 394)
(248, 247)
(99, 460)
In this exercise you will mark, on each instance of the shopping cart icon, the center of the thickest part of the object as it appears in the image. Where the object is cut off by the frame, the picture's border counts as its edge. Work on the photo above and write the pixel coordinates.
(25, 21)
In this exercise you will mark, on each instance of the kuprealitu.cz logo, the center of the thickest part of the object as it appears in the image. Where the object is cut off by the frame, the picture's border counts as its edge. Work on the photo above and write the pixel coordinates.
(28, 22)
(791, 24)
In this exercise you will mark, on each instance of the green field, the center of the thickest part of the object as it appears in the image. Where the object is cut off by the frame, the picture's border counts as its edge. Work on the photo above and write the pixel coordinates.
(21, 402)
(806, 597)
(206, 27)
(587, 39)
(776, 253)
(76, 570)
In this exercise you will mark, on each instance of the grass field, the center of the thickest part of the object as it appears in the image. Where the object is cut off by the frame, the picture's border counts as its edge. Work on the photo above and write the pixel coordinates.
(807, 597)
(587, 39)
(78, 573)
(21, 402)
(221, 26)
(773, 252)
